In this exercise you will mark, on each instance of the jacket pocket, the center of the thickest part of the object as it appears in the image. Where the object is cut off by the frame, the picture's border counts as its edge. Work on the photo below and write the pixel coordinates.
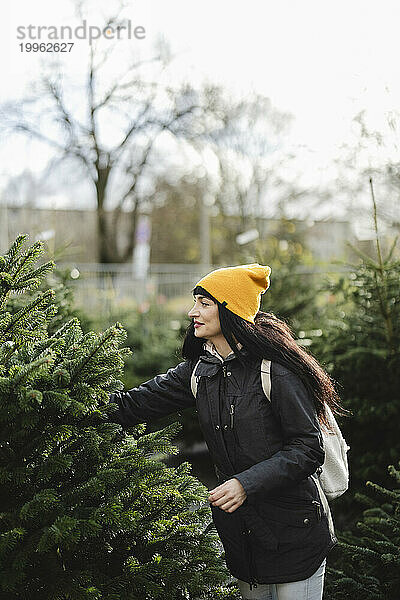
(292, 525)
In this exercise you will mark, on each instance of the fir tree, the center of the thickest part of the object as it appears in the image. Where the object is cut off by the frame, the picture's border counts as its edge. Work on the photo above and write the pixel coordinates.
(57, 280)
(87, 511)
(360, 346)
(369, 564)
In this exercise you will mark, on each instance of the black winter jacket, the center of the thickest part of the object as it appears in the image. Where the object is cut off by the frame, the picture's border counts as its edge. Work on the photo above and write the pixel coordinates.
(279, 534)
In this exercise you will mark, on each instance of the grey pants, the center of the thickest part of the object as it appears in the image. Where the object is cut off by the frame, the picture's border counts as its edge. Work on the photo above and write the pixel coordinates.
(307, 589)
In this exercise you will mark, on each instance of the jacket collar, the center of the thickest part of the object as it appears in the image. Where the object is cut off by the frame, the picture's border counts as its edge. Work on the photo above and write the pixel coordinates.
(212, 355)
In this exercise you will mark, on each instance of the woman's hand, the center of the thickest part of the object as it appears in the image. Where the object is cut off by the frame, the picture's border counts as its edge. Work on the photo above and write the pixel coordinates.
(228, 496)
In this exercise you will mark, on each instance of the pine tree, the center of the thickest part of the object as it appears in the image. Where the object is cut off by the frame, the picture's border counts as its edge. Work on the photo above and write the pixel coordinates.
(360, 347)
(369, 564)
(86, 510)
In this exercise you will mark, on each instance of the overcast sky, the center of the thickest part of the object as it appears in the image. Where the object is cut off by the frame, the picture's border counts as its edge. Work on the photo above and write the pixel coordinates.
(321, 61)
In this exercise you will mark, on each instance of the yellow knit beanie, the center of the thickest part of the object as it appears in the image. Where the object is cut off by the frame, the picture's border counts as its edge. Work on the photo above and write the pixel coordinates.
(238, 288)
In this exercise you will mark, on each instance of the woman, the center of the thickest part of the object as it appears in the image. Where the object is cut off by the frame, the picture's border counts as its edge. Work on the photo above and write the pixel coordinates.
(266, 508)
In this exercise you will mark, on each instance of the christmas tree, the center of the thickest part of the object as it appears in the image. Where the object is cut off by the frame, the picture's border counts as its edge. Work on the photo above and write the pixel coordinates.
(87, 511)
(360, 347)
(369, 564)
(58, 280)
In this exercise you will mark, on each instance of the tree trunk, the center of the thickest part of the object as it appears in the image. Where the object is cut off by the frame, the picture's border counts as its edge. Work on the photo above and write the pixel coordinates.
(106, 242)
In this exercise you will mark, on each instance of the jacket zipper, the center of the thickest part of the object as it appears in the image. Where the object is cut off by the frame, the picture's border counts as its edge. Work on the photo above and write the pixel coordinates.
(231, 406)
(253, 580)
(318, 509)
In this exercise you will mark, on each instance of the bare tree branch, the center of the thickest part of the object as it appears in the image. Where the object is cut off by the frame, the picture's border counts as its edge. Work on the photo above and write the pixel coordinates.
(146, 109)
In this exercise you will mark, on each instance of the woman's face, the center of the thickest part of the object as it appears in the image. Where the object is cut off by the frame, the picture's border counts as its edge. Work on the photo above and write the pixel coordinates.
(206, 318)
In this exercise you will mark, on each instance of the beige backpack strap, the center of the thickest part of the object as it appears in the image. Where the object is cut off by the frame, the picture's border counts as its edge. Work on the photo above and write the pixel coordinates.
(325, 505)
(194, 380)
(266, 377)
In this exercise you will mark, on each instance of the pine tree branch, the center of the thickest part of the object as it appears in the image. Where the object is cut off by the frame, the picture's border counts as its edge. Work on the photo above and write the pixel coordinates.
(110, 333)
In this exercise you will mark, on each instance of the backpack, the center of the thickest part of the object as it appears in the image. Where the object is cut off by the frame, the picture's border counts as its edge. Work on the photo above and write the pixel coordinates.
(334, 473)
(332, 478)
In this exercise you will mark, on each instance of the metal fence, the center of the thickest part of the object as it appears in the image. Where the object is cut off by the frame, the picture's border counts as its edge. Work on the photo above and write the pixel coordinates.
(104, 287)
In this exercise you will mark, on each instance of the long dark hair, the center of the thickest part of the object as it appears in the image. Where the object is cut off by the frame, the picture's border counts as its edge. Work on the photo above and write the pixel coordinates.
(273, 339)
